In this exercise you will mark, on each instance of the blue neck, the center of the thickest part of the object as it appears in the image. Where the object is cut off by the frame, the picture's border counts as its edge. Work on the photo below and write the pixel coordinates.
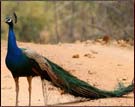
(12, 46)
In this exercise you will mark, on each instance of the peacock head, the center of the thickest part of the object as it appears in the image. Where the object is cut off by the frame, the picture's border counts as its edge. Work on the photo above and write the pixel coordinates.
(9, 20)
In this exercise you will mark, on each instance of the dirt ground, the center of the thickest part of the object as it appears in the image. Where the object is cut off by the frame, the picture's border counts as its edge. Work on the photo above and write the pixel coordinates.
(102, 66)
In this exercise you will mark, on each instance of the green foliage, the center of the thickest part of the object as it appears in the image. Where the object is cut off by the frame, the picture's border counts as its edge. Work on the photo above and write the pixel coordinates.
(32, 17)
(68, 21)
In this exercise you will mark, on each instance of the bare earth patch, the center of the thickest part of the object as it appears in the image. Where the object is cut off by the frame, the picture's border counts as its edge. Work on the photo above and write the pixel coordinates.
(102, 66)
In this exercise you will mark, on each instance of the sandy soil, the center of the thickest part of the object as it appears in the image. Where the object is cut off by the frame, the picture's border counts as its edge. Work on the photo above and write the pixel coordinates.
(100, 65)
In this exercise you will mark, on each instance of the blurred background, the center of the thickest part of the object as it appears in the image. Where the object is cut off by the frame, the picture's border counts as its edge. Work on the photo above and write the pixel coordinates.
(68, 21)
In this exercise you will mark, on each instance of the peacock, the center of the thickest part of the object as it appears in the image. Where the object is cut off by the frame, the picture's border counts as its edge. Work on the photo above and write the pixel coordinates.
(19, 63)
(28, 63)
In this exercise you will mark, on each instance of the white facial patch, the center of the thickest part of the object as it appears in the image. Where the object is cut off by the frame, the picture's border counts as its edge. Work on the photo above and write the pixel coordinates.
(9, 20)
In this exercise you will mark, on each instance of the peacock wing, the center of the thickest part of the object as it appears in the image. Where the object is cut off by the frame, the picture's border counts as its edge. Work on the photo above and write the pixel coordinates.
(40, 65)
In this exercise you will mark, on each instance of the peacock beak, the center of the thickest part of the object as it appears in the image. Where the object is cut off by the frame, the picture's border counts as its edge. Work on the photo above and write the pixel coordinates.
(6, 21)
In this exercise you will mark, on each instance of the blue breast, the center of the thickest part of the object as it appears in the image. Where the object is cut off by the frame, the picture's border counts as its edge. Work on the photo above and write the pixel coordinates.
(18, 64)
(16, 61)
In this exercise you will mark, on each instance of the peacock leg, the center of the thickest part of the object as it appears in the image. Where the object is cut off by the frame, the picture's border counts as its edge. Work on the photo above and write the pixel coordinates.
(17, 88)
(44, 89)
(29, 82)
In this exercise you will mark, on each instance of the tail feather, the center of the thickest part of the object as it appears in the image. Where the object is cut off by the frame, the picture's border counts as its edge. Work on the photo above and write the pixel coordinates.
(124, 90)
(80, 88)
(84, 92)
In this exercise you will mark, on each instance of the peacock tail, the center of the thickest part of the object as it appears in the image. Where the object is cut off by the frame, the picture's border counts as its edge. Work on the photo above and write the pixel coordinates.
(71, 84)
(78, 87)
